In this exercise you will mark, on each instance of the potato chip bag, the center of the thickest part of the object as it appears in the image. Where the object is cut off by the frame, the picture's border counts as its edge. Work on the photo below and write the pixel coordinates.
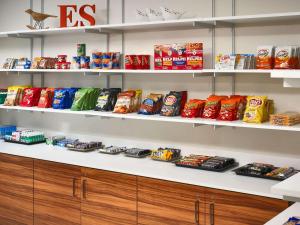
(255, 109)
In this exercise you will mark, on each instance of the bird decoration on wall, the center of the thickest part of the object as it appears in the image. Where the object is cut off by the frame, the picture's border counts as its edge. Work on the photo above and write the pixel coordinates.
(38, 18)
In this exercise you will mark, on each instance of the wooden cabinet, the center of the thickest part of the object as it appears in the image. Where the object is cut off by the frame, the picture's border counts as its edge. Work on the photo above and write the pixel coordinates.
(169, 203)
(108, 198)
(231, 208)
(16, 190)
(56, 194)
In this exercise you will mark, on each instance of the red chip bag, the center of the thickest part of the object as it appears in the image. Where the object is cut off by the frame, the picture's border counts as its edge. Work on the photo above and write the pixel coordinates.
(229, 108)
(46, 98)
(193, 108)
(31, 97)
(212, 107)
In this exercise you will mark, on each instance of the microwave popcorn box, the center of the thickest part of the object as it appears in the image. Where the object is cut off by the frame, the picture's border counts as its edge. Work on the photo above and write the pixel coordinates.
(194, 55)
(179, 56)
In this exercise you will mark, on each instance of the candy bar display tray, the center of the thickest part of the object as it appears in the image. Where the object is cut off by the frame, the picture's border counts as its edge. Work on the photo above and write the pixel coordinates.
(239, 171)
(111, 153)
(228, 167)
(169, 161)
(82, 150)
(137, 156)
(24, 143)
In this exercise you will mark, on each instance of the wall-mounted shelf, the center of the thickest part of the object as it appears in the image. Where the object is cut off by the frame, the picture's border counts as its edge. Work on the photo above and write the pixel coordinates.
(207, 22)
(134, 116)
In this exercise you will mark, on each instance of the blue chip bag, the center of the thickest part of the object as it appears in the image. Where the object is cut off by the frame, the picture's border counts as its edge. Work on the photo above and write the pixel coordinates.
(60, 99)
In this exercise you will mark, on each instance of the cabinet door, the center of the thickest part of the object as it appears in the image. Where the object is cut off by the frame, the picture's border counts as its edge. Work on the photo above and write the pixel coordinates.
(56, 194)
(231, 208)
(108, 198)
(169, 203)
(16, 190)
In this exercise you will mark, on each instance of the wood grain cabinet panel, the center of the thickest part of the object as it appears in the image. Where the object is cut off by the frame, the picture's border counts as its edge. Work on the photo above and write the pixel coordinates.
(56, 194)
(169, 203)
(16, 190)
(108, 198)
(231, 208)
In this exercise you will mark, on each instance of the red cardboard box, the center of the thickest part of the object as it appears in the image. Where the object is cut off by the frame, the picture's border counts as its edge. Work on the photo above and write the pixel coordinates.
(194, 54)
(167, 57)
(158, 63)
(179, 57)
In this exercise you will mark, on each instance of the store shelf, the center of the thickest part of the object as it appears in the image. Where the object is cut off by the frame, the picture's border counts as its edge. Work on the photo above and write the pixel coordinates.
(292, 211)
(286, 74)
(134, 116)
(194, 23)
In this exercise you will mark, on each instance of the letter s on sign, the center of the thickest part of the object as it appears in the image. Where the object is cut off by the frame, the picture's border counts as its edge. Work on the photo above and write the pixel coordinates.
(86, 16)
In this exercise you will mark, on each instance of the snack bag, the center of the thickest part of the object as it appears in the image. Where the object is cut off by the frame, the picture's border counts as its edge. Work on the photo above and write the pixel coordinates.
(268, 110)
(242, 102)
(229, 108)
(194, 55)
(212, 106)
(60, 100)
(137, 100)
(265, 57)
(107, 99)
(255, 109)
(151, 105)
(172, 104)
(31, 97)
(46, 98)
(125, 102)
(284, 57)
(193, 108)
(81, 96)
(11, 96)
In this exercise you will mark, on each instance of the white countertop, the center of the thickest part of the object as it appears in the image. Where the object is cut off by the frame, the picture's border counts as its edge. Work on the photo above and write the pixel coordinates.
(289, 188)
(145, 167)
(280, 219)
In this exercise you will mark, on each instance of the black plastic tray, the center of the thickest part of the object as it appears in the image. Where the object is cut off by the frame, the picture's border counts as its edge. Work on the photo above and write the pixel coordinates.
(24, 143)
(169, 161)
(111, 153)
(82, 150)
(239, 172)
(228, 167)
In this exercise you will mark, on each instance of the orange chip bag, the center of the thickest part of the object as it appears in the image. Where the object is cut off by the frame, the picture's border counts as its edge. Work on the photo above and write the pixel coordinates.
(125, 102)
(265, 57)
(193, 108)
(229, 108)
(212, 106)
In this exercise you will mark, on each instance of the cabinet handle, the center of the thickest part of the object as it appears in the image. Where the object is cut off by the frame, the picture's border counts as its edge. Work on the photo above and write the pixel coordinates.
(84, 188)
(212, 213)
(197, 212)
(74, 187)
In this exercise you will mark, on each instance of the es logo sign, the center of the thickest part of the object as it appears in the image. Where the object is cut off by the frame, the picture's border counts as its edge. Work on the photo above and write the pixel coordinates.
(73, 16)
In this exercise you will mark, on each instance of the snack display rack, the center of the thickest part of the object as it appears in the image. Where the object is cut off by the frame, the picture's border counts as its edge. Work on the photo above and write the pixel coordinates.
(195, 23)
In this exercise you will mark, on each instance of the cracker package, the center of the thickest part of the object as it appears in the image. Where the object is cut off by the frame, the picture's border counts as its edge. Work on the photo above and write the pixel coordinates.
(255, 109)
(265, 57)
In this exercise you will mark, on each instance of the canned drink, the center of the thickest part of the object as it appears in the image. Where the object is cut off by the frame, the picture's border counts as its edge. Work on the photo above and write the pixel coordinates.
(81, 50)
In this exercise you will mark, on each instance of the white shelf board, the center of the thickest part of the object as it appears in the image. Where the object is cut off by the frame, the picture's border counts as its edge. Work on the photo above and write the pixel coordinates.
(274, 18)
(144, 167)
(135, 116)
(289, 187)
(290, 74)
(280, 219)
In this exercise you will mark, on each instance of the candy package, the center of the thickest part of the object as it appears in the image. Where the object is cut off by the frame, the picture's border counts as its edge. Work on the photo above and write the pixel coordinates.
(125, 102)
(173, 103)
(151, 105)
(193, 108)
(107, 99)
(165, 154)
(31, 97)
(265, 57)
(255, 109)
(46, 98)
(212, 107)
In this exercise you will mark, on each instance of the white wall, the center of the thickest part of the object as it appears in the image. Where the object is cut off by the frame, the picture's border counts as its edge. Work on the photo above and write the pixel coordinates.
(246, 144)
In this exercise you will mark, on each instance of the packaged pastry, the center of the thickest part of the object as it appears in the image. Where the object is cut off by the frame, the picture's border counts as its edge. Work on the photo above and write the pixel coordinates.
(229, 109)
(193, 108)
(152, 104)
(285, 119)
(125, 102)
(255, 109)
(9, 63)
(165, 154)
(173, 103)
(212, 107)
(31, 97)
(107, 99)
(265, 57)
(194, 55)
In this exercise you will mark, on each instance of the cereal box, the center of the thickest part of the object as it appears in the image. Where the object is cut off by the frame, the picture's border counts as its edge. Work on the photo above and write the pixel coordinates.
(194, 54)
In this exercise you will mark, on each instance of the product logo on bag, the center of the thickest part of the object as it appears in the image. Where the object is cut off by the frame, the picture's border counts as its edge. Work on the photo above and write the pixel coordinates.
(255, 102)
(263, 52)
(282, 54)
(74, 16)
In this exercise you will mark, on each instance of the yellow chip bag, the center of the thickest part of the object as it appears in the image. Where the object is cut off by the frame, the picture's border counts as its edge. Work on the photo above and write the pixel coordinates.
(255, 109)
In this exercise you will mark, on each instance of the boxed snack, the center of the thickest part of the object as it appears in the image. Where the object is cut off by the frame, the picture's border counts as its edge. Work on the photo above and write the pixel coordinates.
(179, 57)
(194, 55)
(193, 108)
(173, 103)
(125, 102)
(285, 119)
(167, 57)
(151, 105)
(158, 62)
(212, 106)
(265, 57)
